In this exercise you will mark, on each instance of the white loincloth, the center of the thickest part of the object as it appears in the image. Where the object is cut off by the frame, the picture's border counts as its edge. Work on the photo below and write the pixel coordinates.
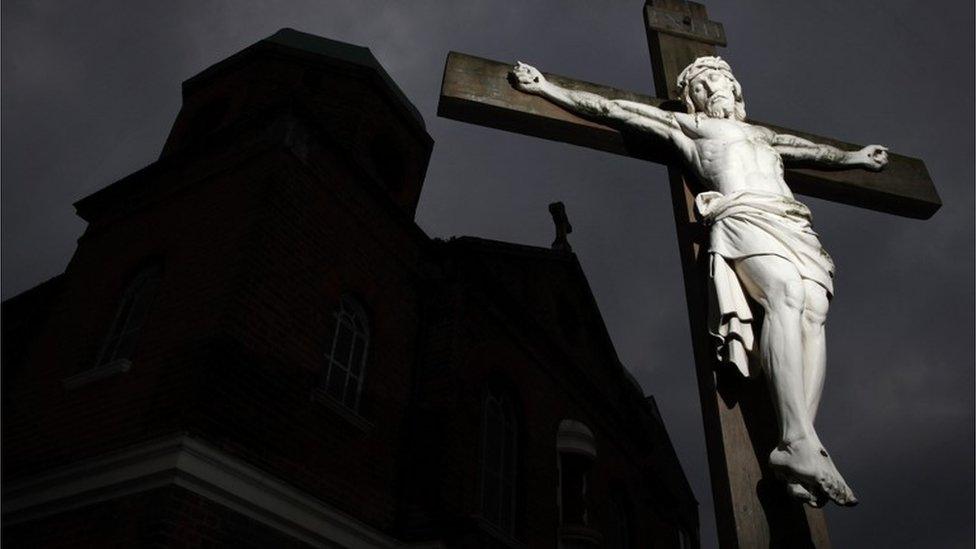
(748, 223)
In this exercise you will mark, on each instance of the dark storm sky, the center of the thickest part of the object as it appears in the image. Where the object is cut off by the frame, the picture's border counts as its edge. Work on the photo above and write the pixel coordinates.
(89, 90)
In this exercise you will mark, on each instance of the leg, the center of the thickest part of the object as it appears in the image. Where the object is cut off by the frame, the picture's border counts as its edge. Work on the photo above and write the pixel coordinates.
(814, 365)
(814, 344)
(776, 285)
(799, 458)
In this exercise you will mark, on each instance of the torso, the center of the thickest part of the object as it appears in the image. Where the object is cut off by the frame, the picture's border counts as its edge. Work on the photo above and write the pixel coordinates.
(735, 156)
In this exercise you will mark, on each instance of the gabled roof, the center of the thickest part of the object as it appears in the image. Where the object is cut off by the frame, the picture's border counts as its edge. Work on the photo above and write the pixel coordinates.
(550, 286)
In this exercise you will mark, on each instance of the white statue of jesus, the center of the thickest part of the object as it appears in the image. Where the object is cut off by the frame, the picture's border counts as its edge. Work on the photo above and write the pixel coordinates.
(761, 245)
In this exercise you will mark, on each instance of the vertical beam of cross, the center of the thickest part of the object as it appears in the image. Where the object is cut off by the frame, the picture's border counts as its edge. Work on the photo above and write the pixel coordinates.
(752, 509)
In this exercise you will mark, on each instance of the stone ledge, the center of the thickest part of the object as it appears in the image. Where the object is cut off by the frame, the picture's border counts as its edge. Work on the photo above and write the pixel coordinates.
(346, 413)
(117, 366)
(497, 533)
(204, 470)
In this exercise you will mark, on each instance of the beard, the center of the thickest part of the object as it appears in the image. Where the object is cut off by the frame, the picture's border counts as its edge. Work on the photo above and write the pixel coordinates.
(720, 108)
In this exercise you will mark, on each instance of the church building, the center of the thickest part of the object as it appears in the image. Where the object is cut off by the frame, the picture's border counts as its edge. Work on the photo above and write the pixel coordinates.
(255, 345)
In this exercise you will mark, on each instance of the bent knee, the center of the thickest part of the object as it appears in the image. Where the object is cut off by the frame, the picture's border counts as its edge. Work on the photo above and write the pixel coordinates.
(816, 305)
(786, 295)
(814, 317)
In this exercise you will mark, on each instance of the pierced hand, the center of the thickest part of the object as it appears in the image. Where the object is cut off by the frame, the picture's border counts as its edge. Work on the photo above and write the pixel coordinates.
(872, 157)
(527, 78)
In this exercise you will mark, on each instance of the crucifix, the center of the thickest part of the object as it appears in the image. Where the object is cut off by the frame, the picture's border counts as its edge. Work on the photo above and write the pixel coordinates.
(744, 241)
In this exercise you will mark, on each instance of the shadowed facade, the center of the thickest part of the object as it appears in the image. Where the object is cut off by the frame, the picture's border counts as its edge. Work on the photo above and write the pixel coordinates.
(255, 345)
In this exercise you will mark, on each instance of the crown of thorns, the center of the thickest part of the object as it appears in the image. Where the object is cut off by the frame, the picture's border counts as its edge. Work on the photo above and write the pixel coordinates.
(701, 65)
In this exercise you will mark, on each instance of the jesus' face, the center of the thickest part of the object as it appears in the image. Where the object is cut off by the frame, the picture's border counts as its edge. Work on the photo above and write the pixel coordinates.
(713, 93)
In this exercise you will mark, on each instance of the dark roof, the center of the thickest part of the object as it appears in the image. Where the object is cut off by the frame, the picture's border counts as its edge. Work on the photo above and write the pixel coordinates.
(531, 277)
(289, 40)
(530, 273)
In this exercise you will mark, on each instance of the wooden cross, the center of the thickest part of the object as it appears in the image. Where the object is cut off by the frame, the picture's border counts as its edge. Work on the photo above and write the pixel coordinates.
(751, 509)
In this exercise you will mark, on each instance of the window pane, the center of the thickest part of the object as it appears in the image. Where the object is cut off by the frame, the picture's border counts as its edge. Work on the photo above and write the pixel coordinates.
(573, 484)
(145, 300)
(491, 499)
(359, 346)
(343, 344)
(142, 299)
(108, 353)
(110, 347)
(506, 507)
(509, 466)
(129, 317)
(499, 458)
(122, 318)
(347, 355)
(358, 323)
(352, 387)
(337, 382)
(124, 346)
(493, 450)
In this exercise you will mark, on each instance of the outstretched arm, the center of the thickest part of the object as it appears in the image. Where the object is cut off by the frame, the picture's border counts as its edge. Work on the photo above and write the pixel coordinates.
(790, 147)
(632, 115)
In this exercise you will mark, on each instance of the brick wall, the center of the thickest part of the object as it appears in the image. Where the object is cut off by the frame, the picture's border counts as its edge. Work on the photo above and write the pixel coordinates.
(474, 342)
(261, 224)
(260, 229)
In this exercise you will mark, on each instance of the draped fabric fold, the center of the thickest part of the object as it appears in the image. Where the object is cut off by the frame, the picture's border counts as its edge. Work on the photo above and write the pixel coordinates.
(745, 224)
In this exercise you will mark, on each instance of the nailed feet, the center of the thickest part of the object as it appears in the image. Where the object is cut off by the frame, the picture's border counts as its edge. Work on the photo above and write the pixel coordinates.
(810, 474)
(797, 491)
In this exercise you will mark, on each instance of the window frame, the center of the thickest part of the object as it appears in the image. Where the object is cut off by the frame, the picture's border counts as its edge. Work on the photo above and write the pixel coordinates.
(122, 334)
(575, 444)
(350, 315)
(143, 285)
(501, 477)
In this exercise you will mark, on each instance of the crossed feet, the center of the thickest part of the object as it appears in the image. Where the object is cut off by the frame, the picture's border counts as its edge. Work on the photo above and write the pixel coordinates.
(810, 473)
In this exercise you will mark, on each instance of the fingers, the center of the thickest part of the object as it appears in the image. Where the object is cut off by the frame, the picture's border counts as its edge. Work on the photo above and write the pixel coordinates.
(526, 77)
(877, 156)
(522, 73)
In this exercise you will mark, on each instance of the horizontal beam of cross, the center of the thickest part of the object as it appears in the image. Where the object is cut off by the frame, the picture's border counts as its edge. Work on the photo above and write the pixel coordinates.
(477, 90)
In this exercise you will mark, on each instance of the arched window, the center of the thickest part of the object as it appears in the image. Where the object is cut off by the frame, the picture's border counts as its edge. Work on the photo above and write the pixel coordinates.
(576, 452)
(130, 316)
(346, 367)
(498, 462)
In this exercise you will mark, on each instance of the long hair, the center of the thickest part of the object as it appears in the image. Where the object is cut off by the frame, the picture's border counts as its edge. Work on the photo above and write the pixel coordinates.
(700, 65)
